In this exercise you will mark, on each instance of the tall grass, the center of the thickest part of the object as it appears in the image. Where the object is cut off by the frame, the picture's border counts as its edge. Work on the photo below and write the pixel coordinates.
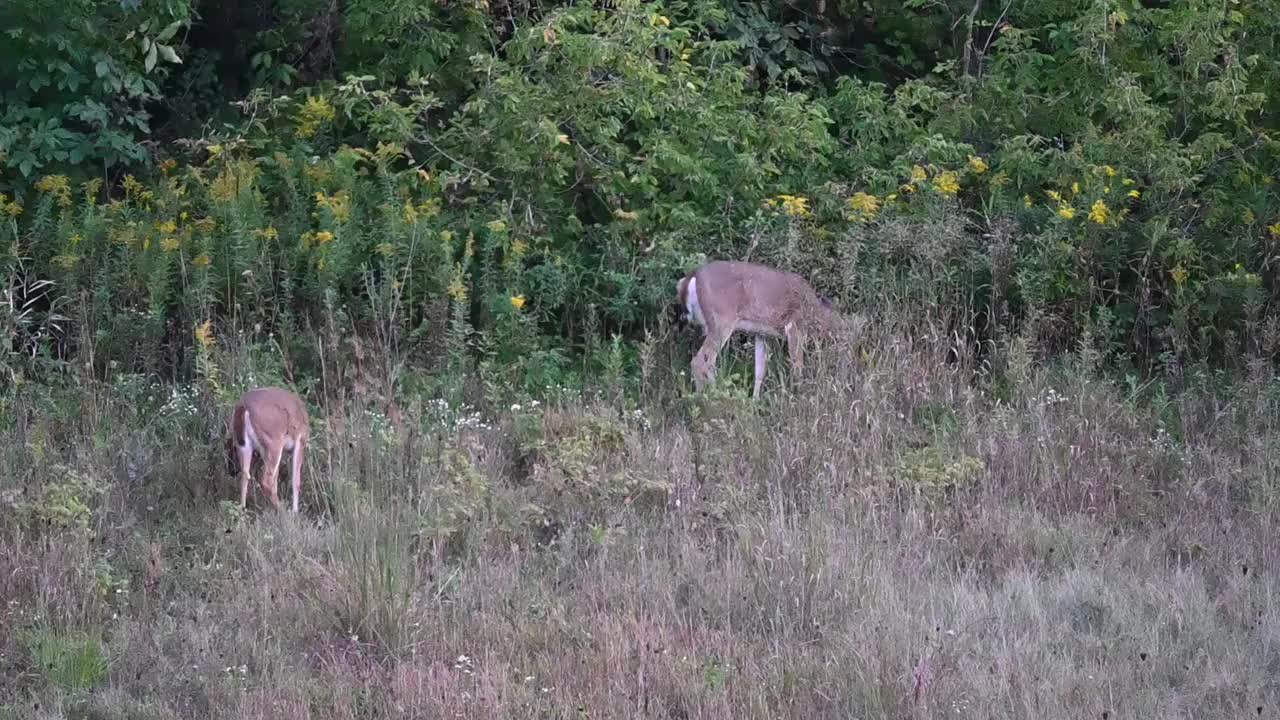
(894, 534)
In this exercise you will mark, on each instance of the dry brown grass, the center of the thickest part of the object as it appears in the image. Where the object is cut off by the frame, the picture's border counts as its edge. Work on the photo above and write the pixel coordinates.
(885, 540)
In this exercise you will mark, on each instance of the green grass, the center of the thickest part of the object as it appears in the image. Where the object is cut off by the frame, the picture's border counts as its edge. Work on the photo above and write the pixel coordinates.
(881, 539)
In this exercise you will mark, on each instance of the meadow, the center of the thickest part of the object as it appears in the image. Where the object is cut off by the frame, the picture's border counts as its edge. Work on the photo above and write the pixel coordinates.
(890, 535)
(1040, 482)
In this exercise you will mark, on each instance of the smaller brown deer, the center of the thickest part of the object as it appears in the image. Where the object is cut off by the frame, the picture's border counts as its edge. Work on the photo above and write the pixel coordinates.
(725, 296)
(268, 421)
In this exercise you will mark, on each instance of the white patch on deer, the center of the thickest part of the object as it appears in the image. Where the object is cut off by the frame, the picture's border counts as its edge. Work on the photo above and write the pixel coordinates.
(250, 435)
(691, 303)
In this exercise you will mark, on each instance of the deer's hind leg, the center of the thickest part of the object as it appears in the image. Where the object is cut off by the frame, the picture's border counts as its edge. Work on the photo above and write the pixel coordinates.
(271, 473)
(795, 347)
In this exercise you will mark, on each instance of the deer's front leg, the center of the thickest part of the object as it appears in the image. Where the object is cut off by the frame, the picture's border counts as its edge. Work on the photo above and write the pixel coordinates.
(762, 359)
(704, 363)
(295, 475)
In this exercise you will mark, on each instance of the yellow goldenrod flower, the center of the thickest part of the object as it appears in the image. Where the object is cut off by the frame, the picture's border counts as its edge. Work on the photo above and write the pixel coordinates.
(863, 206)
(169, 244)
(517, 301)
(1065, 211)
(315, 112)
(456, 289)
(204, 334)
(58, 186)
(946, 183)
(1099, 212)
(977, 164)
(324, 237)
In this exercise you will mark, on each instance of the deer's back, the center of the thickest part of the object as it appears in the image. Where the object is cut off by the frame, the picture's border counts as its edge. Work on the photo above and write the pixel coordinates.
(755, 294)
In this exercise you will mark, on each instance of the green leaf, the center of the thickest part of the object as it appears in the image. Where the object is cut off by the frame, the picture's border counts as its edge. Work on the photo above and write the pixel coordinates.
(167, 34)
(151, 59)
(167, 52)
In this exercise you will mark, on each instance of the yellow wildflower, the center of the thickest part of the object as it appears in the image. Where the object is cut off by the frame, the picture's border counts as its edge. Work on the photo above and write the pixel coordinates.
(496, 226)
(518, 247)
(626, 214)
(1248, 217)
(946, 183)
(1134, 194)
(517, 301)
(907, 188)
(1026, 201)
(429, 208)
(662, 20)
(1065, 211)
(1108, 171)
(206, 224)
(457, 290)
(169, 244)
(890, 197)
(1099, 212)
(562, 139)
(339, 204)
(1127, 181)
(324, 237)
(315, 112)
(202, 260)
(168, 227)
(385, 249)
(203, 333)
(1179, 274)
(1054, 195)
(1075, 188)
(863, 206)
(918, 174)
(167, 165)
(977, 165)
(410, 212)
(13, 209)
(58, 186)
(446, 236)
(794, 205)
(268, 233)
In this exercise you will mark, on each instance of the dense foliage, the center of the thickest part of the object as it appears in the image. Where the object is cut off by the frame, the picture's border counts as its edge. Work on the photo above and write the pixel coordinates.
(527, 180)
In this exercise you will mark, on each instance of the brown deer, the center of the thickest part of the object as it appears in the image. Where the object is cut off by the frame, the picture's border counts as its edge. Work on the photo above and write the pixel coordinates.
(268, 421)
(724, 296)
